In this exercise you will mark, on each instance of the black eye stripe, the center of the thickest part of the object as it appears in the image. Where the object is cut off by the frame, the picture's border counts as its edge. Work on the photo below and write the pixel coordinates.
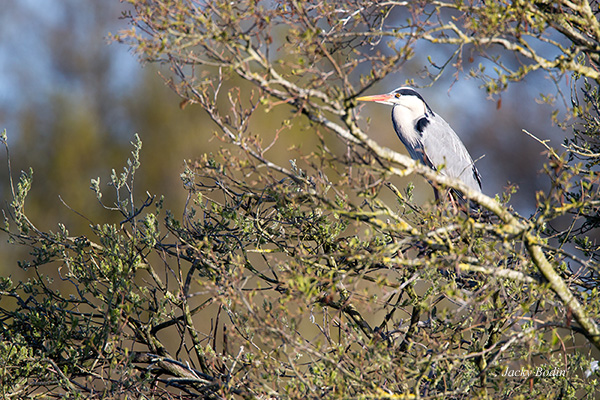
(406, 91)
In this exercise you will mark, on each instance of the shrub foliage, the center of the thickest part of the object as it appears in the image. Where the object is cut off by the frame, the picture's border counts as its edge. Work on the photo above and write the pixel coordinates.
(321, 277)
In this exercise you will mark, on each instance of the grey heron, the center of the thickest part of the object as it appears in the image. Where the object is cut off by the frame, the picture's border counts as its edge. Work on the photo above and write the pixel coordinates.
(427, 137)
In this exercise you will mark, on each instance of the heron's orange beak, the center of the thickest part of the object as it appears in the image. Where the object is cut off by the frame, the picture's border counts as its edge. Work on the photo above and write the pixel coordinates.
(377, 97)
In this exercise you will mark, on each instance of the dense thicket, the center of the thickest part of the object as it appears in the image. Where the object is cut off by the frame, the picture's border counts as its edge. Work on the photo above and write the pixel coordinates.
(321, 277)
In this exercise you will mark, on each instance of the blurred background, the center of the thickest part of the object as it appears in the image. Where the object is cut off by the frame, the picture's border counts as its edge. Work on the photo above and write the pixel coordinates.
(71, 102)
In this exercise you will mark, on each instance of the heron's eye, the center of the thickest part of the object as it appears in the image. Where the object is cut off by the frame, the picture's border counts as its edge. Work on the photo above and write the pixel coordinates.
(397, 95)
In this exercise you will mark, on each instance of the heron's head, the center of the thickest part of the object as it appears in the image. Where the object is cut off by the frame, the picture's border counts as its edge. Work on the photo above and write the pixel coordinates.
(405, 97)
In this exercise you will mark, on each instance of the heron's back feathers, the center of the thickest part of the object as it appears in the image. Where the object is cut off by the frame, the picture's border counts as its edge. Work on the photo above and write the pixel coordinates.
(448, 154)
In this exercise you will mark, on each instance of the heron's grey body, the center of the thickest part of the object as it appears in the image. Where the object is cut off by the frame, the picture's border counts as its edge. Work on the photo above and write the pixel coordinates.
(427, 137)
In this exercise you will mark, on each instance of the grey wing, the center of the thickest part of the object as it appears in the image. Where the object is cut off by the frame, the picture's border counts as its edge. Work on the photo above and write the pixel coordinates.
(417, 152)
(445, 150)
